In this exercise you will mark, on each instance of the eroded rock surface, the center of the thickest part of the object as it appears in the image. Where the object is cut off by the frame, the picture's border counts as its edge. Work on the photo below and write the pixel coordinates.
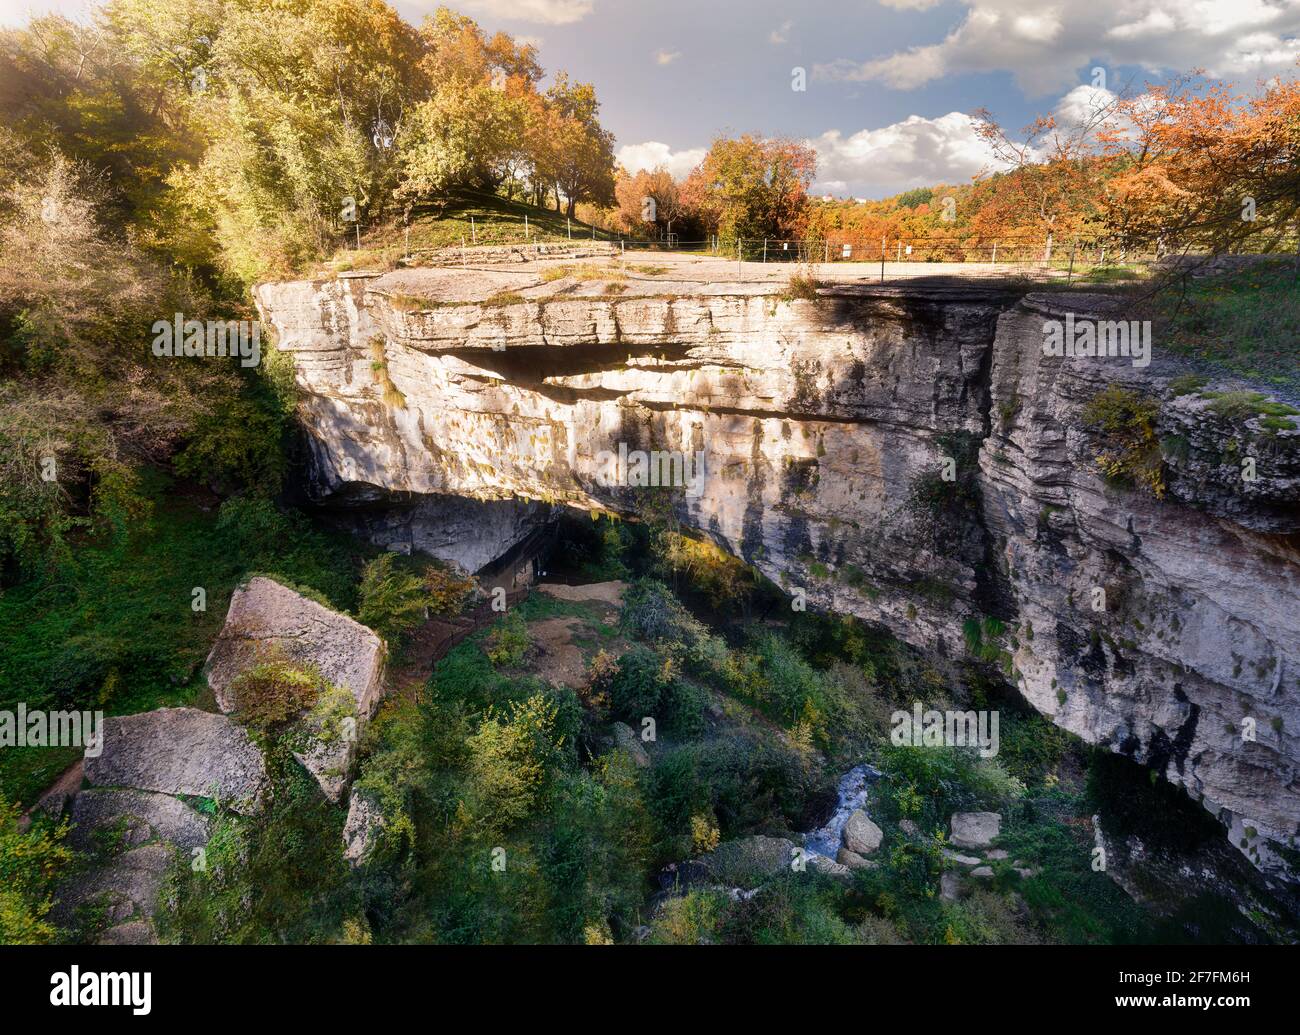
(827, 427)
(181, 751)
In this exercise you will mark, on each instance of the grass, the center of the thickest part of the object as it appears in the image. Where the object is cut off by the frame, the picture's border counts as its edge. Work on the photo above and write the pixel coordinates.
(467, 219)
(586, 271)
(1246, 322)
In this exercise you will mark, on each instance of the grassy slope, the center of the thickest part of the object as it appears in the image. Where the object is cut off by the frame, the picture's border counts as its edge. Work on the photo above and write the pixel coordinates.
(468, 218)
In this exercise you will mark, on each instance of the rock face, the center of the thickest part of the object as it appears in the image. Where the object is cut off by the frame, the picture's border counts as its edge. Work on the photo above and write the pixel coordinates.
(265, 616)
(181, 751)
(910, 456)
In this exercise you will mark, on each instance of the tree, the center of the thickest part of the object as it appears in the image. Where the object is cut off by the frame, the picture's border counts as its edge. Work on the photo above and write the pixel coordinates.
(659, 189)
(1203, 167)
(1054, 172)
(580, 161)
(751, 187)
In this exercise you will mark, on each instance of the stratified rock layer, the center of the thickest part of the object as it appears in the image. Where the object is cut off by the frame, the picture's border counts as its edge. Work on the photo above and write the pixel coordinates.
(830, 428)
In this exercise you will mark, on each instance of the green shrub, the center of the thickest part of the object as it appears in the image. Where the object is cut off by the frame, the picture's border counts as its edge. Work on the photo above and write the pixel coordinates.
(509, 642)
(31, 863)
(392, 600)
(274, 691)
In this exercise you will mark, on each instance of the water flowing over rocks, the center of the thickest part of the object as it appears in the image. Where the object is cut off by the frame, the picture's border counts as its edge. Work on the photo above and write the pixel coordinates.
(826, 426)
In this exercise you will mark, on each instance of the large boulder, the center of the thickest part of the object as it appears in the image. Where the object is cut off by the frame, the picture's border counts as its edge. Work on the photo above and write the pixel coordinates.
(975, 829)
(181, 751)
(861, 835)
(266, 617)
(135, 818)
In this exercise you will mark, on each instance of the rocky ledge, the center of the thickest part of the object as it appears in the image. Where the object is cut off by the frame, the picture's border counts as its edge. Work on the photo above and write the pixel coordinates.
(909, 455)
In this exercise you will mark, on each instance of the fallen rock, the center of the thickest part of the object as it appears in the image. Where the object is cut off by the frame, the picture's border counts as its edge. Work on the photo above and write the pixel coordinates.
(361, 830)
(854, 861)
(861, 835)
(983, 872)
(997, 854)
(908, 827)
(961, 860)
(265, 615)
(975, 829)
(829, 867)
(181, 751)
(949, 886)
(626, 739)
(125, 889)
(138, 817)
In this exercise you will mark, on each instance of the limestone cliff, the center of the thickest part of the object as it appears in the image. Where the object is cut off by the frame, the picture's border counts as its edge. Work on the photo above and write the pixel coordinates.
(906, 455)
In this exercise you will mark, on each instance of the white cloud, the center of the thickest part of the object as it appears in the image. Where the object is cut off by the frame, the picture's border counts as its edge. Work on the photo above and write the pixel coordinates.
(1044, 48)
(653, 155)
(912, 153)
(530, 41)
(667, 57)
(781, 34)
(911, 5)
(545, 12)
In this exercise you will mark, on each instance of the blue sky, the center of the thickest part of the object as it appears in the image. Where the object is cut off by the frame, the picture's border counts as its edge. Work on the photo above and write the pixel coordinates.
(888, 81)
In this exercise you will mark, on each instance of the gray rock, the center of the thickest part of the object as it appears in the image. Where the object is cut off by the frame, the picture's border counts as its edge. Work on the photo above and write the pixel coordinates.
(132, 932)
(983, 872)
(961, 860)
(626, 739)
(975, 829)
(265, 616)
(997, 854)
(854, 861)
(861, 835)
(949, 886)
(909, 828)
(181, 751)
(829, 867)
(364, 823)
(126, 886)
(141, 817)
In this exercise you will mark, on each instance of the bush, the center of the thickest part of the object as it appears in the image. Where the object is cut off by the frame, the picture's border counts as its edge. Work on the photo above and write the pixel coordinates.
(30, 864)
(509, 642)
(273, 692)
(392, 601)
(1130, 449)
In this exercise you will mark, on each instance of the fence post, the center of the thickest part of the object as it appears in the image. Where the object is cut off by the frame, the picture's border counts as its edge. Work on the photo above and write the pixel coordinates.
(408, 242)
(765, 249)
(569, 227)
(883, 243)
(995, 253)
(1070, 275)
(738, 257)
(473, 231)
(525, 226)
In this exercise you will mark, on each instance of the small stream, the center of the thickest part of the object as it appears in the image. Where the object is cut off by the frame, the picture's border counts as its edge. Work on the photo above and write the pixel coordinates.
(852, 794)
